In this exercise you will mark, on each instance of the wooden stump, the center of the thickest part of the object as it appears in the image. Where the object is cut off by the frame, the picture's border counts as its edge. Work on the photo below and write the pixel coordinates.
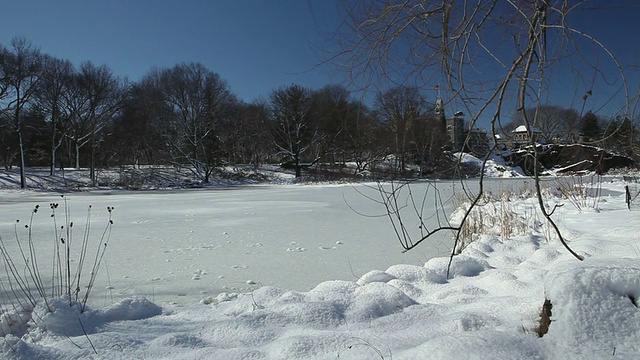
(545, 318)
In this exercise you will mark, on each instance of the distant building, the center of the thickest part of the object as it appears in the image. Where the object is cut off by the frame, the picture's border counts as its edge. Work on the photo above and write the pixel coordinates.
(519, 138)
(438, 110)
(520, 134)
(477, 142)
(455, 131)
(476, 139)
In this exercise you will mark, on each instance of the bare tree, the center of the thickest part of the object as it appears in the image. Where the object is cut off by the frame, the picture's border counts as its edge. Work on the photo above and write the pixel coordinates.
(21, 69)
(347, 128)
(429, 141)
(134, 139)
(105, 94)
(294, 129)
(75, 106)
(57, 75)
(254, 139)
(555, 123)
(364, 143)
(93, 98)
(331, 108)
(4, 77)
(8, 150)
(8, 142)
(401, 108)
(192, 102)
(491, 58)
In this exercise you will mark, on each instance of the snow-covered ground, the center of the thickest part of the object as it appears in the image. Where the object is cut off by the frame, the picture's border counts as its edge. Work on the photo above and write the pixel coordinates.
(179, 247)
(299, 272)
(495, 166)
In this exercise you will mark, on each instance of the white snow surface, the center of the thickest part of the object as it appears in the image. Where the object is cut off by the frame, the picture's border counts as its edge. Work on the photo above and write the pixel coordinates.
(495, 166)
(293, 272)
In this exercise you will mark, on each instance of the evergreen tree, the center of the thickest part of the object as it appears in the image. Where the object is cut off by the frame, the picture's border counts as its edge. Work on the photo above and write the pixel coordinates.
(590, 129)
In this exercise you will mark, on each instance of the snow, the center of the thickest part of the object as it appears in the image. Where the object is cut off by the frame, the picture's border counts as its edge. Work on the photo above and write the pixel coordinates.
(593, 303)
(495, 166)
(209, 274)
(199, 243)
(523, 128)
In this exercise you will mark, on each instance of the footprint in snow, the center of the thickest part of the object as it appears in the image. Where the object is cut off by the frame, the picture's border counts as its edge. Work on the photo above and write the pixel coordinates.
(298, 249)
(197, 275)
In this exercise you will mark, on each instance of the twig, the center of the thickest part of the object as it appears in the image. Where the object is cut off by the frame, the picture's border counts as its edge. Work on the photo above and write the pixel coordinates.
(87, 336)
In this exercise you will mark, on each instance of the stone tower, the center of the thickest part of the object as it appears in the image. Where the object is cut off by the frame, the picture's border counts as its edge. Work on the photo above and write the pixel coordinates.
(438, 109)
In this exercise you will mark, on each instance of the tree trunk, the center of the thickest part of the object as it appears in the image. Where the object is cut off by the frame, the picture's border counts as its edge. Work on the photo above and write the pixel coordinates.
(77, 155)
(297, 165)
(52, 170)
(23, 181)
(92, 165)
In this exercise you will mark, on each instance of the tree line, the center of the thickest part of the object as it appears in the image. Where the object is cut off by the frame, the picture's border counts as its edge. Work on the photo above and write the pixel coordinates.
(55, 114)
(566, 126)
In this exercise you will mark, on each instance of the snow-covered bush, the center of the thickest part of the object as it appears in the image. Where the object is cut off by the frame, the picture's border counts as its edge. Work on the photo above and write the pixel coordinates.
(61, 317)
(30, 295)
(508, 215)
(594, 306)
(583, 192)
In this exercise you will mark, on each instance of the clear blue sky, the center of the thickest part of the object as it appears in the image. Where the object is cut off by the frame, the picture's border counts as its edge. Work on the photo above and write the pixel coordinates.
(256, 45)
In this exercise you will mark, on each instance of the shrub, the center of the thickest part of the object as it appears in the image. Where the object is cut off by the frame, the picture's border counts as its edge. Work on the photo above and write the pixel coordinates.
(74, 265)
(495, 216)
(583, 192)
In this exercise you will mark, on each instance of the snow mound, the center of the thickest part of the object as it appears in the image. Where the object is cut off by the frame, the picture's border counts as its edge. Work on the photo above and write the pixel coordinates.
(375, 276)
(415, 273)
(594, 306)
(62, 317)
(130, 309)
(377, 300)
(495, 345)
(495, 167)
(461, 265)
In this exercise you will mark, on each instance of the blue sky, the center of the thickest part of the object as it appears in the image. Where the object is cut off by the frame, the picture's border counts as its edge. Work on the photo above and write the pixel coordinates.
(255, 45)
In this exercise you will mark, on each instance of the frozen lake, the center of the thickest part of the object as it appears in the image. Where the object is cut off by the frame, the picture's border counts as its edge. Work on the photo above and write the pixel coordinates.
(179, 247)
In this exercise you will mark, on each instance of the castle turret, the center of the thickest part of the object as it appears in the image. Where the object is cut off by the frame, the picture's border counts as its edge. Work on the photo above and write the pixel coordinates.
(438, 109)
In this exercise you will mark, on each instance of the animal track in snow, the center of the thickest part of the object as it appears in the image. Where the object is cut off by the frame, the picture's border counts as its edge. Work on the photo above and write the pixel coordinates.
(297, 249)
(197, 275)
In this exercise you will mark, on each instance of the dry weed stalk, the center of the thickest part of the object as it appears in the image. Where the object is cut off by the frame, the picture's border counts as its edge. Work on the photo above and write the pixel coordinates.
(496, 216)
(23, 284)
(583, 192)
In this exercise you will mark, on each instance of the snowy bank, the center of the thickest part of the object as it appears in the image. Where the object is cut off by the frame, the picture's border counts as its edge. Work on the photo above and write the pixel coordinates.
(488, 308)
